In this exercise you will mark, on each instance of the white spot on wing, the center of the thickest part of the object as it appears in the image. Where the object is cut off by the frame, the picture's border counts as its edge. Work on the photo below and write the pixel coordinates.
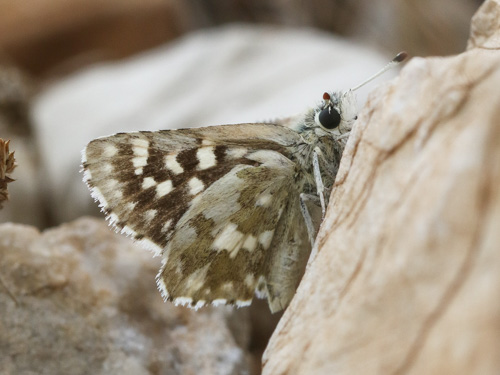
(195, 186)
(111, 185)
(229, 239)
(164, 188)
(250, 243)
(206, 157)
(109, 150)
(236, 153)
(148, 182)
(117, 194)
(139, 161)
(265, 238)
(196, 280)
(139, 151)
(166, 227)
(149, 215)
(129, 207)
(172, 164)
(138, 171)
(107, 168)
(140, 143)
(264, 200)
(250, 280)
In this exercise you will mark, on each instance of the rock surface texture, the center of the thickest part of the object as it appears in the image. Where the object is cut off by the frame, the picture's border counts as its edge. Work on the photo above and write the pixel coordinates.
(406, 279)
(79, 299)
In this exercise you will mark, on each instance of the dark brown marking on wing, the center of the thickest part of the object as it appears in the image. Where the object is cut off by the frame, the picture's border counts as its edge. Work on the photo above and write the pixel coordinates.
(155, 166)
(220, 153)
(188, 159)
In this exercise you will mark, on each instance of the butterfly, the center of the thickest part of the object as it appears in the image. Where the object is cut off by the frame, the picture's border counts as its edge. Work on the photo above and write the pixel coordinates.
(233, 210)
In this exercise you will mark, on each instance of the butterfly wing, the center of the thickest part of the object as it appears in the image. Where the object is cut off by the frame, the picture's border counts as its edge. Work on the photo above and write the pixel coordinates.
(286, 263)
(141, 175)
(216, 202)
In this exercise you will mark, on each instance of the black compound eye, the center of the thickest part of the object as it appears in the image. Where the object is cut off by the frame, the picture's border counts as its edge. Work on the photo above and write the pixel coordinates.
(329, 118)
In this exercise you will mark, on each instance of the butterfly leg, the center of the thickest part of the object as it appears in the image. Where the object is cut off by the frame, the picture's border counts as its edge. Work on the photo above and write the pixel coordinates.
(319, 182)
(307, 216)
(322, 157)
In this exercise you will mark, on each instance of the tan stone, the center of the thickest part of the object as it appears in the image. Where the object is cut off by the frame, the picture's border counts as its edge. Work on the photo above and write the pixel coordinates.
(407, 274)
(79, 299)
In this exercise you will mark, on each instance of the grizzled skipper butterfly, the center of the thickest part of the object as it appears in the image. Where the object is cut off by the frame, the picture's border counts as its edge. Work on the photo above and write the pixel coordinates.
(233, 210)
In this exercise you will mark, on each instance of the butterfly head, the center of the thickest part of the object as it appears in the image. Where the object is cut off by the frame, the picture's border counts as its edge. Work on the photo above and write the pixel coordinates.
(337, 113)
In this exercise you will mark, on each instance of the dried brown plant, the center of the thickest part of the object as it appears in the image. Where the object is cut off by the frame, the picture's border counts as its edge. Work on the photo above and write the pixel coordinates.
(7, 165)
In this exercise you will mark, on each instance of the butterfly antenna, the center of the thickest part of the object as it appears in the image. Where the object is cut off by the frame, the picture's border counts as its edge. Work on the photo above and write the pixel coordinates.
(400, 57)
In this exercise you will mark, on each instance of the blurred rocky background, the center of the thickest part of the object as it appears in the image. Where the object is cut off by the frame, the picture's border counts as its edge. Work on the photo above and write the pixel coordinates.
(53, 37)
(71, 71)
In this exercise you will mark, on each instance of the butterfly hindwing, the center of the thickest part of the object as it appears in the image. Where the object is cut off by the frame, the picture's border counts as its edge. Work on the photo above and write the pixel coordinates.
(219, 250)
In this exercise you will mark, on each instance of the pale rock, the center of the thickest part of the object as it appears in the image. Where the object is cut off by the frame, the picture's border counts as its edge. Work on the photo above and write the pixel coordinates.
(79, 299)
(406, 278)
(485, 27)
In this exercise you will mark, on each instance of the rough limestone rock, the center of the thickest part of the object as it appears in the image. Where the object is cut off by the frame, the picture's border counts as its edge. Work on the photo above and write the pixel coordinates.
(406, 279)
(80, 299)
